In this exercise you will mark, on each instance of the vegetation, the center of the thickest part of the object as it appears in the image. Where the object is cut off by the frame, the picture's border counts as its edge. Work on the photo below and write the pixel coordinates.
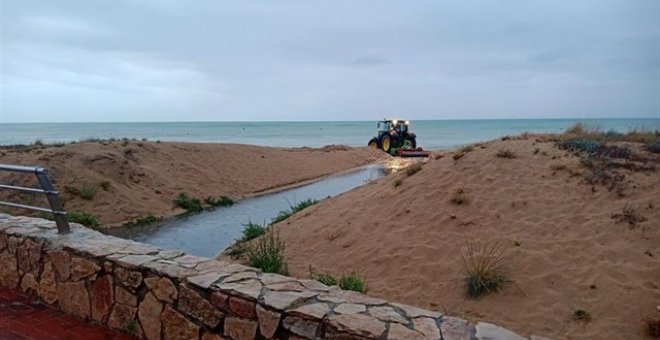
(142, 221)
(462, 152)
(413, 168)
(653, 147)
(353, 282)
(536, 150)
(131, 327)
(325, 278)
(459, 196)
(505, 153)
(83, 218)
(582, 131)
(397, 182)
(581, 315)
(267, 253)
(484, 270)
(284, 214)
(237, 250)
(630, 214)
(222, 201)
(653, 327)
(188, 203)
(252, 231)
(88, 190)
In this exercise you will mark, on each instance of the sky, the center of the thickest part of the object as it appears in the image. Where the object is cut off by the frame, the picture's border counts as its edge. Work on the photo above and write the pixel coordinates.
(209, 60)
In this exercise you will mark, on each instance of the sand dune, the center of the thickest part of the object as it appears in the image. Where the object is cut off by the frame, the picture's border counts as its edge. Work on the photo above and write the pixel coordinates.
(144, 177)
(565, 251)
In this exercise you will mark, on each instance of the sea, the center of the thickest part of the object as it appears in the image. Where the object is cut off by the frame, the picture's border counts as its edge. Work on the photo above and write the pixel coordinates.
(431, 134)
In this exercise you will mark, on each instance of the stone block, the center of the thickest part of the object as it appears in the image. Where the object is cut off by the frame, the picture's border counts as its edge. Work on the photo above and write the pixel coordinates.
(193, 304)
(74, 298)
(268, 321)
(242, 308)
(48, 284)
(240, 329)
(149, 316)
(177, 326)
(162, 288)
(101, 297)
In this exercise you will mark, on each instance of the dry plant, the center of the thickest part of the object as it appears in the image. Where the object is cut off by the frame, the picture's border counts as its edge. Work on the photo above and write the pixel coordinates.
(485, 269)
(459, 196)
(505, 153)
(630, 214)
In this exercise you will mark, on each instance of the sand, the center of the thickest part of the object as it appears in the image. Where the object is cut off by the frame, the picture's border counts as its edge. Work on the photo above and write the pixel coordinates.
(565, 251)
(145, 177)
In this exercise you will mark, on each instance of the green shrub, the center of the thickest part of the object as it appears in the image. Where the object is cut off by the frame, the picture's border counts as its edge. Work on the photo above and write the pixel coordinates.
(484, 270)
(353, 282)
(222, 201)
(88, 190)
(237, 250)
(267, 253)
(581, 315)
(284, 214)
(252, 231)
(325, 278)
(83, 218)
(142, 221)
(188, 203)
(131, 326)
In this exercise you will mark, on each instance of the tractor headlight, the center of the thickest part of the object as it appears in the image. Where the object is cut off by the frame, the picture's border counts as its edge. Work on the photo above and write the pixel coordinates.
(407, 122)
(395, 122)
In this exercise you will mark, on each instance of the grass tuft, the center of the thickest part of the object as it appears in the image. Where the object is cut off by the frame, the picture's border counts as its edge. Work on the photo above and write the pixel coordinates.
(325, 278)
(581, 315)
(630, 214)
(353, 282)
(142, 221)
(484, 270)
(285, 214)
(222, 201)
(267, 253)
(463, 151)
(252, 231)
(413, 168)
(505, 153)
(459, 196)
(653, 147)
(397, 182)
(88, 190)
(83, 218)
(188, 203)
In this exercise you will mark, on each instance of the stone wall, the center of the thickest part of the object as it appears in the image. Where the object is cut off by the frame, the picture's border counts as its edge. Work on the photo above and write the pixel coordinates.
(156, 293)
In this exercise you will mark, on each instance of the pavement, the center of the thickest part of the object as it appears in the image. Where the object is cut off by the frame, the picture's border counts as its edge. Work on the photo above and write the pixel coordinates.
(22, 317)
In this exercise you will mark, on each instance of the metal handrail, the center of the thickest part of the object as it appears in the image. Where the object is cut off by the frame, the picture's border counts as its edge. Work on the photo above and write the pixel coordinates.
(52, 195)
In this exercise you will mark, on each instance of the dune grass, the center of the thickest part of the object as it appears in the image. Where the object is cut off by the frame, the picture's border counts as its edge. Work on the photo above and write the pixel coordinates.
(353, 282)
(222, 201)
(484, 268)
(459, 196)
(505, 153)
(285, 214)
(252, 230)
(190, 204)
(267, 253)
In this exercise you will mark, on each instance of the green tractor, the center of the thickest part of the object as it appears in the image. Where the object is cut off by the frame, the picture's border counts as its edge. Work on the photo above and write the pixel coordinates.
(395, 138)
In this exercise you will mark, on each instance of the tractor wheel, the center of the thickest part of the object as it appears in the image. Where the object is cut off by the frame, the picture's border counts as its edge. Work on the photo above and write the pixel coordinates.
(386, 143)
(413, 143)
(373, 143)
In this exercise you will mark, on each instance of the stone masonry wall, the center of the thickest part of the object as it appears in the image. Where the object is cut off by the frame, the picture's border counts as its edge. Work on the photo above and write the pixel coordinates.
(165, 294)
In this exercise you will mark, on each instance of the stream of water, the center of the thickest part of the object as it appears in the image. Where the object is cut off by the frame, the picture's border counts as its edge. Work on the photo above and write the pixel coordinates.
(208, 233)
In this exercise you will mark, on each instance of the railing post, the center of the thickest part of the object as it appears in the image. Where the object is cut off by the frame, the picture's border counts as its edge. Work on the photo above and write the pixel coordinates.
(53, 200)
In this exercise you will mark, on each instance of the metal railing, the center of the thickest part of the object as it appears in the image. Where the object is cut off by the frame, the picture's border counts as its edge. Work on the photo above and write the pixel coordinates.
(59, 215)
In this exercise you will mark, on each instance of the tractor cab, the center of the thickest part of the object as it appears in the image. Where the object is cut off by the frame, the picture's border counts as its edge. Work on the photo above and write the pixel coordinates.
(394, 137)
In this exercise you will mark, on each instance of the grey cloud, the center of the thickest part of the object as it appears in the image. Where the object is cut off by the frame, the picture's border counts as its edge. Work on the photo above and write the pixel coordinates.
(296, 60)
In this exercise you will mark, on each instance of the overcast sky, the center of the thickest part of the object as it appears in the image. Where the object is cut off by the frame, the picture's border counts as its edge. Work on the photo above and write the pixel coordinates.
(166, 60)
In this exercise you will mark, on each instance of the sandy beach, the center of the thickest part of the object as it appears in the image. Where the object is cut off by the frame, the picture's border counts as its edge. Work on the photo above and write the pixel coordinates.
(133, 179)
(564, 250)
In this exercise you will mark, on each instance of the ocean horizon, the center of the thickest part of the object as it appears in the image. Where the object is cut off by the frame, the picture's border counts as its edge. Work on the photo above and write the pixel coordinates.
(431, 134)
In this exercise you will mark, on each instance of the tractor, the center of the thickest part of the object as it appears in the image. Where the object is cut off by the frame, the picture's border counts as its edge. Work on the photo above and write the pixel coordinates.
(395, 138)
